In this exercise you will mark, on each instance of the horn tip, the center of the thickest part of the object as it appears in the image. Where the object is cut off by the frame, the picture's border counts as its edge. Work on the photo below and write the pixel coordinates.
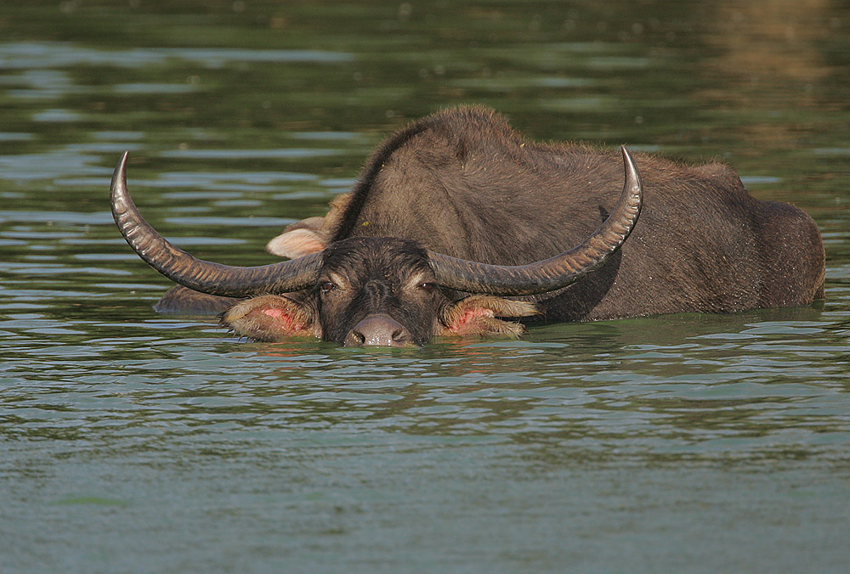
(119, 197)
(122, 161)
(633, 181)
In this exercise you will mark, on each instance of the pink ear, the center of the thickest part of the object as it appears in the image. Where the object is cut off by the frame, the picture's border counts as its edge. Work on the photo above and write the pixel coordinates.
(296, 243)
(468, 321)
(269, 318)
(477, 315)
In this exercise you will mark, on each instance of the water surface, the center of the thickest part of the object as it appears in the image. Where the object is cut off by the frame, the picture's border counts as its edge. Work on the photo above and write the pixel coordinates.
(132, 442)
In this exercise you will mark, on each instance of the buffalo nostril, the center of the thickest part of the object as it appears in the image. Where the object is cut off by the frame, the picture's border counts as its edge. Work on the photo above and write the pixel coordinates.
(354, 339)
(401, 336)
(378, 330)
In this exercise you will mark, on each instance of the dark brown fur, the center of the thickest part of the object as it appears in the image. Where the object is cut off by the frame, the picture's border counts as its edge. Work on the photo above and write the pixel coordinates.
(463, 183)
(369, 277)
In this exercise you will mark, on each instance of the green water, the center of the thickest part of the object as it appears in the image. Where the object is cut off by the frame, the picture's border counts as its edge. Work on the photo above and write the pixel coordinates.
(131, 442)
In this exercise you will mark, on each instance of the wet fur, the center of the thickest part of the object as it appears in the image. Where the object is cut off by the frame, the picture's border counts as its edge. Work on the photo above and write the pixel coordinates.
(463, 183)
(702, 243)
(375, 276)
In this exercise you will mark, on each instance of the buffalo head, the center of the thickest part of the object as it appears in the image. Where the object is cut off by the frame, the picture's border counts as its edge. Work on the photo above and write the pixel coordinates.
(376, 290)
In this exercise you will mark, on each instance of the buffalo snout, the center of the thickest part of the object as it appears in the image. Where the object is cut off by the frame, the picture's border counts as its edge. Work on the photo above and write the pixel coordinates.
(378, 331)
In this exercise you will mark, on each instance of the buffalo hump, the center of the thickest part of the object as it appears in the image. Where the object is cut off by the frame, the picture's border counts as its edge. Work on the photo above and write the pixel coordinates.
(463, 183)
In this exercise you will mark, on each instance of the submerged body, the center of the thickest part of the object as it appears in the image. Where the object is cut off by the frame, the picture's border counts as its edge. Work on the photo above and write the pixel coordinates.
(463, 184)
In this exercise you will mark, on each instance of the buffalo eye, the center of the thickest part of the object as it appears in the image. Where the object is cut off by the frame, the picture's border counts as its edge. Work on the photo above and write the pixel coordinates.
(326, 286)
(428, 287)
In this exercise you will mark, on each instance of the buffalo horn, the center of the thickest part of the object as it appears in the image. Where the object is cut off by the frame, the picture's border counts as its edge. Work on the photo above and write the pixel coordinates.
(556, 272)
(203, 276)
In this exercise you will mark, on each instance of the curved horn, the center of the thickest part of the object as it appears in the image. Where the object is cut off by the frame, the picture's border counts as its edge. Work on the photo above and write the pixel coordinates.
(555, 272)
(203, 276)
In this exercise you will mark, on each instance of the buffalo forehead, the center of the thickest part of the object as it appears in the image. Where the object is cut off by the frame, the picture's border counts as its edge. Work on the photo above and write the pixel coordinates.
(377, 258)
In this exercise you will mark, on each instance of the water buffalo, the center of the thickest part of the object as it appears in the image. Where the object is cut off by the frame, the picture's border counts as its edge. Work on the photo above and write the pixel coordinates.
(457, 223)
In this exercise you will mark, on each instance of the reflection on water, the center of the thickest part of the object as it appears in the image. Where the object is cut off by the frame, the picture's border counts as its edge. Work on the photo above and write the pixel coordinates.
(31, 56)
(695, 389)
(683, 443)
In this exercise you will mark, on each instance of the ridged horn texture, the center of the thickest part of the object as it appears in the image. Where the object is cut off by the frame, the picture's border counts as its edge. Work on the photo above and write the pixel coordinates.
(555, 272)
(203, 276)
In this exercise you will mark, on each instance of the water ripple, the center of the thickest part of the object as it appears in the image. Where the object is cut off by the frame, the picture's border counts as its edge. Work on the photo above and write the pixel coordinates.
(36, 55)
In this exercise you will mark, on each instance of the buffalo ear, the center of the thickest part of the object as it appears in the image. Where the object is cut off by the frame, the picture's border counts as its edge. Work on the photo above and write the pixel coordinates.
(477, 315)
(309, 235)
(270, 318)
(297, 243)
